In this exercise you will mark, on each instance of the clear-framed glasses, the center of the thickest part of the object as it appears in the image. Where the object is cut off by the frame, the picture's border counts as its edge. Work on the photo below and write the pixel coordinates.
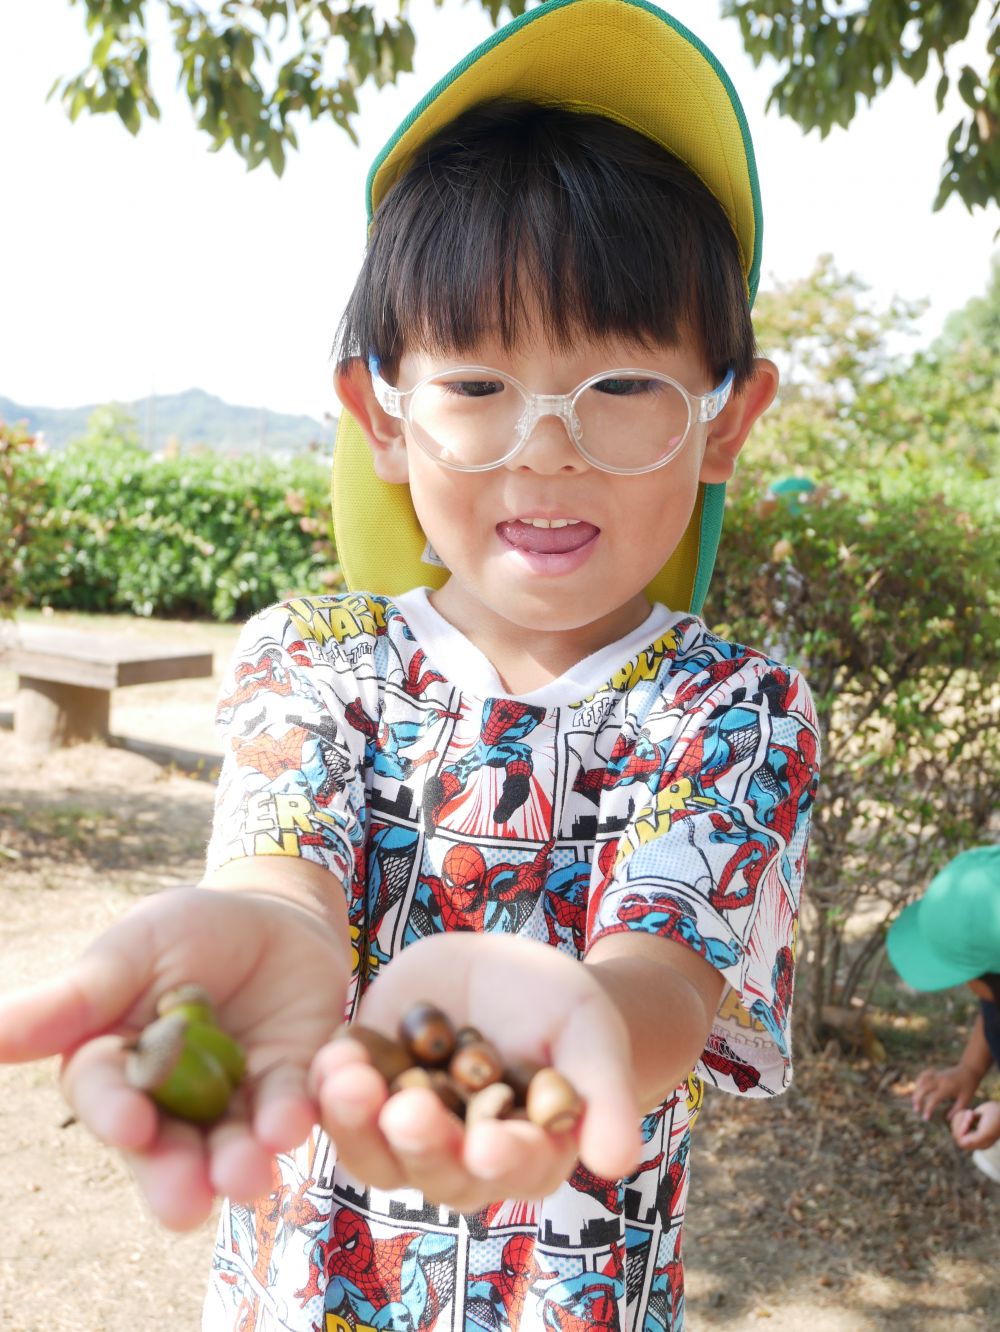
(472, 418)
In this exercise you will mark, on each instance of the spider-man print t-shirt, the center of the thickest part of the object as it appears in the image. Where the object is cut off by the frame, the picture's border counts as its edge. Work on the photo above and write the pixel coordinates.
(664, 784)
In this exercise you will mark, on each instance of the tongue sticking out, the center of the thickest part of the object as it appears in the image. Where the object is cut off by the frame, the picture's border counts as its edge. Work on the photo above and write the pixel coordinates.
(547, 540)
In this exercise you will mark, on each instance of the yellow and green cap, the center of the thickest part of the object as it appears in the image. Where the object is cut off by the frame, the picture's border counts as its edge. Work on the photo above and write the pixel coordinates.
(632, 63)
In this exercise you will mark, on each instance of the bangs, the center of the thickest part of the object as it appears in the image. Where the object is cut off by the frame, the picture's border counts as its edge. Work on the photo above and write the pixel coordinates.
(518, 212)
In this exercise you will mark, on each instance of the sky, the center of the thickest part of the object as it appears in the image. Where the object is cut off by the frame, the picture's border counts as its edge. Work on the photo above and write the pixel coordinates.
(131, 266)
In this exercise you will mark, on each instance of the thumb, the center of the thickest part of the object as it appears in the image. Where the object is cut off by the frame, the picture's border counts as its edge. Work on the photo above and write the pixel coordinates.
(94, 994)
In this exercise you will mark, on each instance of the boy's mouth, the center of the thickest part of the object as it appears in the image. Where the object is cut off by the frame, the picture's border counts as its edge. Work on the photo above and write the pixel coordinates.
(547, 536)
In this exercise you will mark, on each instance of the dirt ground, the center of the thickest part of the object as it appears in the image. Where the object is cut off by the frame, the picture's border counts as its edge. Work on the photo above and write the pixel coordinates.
(831, 1208)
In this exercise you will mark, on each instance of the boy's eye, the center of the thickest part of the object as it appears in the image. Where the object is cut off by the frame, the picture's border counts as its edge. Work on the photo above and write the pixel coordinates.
(626, 388)
(473, 388)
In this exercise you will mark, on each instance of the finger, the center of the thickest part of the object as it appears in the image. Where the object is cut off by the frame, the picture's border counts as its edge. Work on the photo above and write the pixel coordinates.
(591, 1053)
(960, 1104)
(932, 1100)
(519, 1159)
(283, 1111)
(240, 1166)
(427, 1141)
(94, 1083)
(350, 1098)
(174, 1176)
(93, 995)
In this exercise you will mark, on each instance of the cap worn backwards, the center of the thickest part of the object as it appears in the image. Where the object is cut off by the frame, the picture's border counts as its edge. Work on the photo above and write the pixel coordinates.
(630, 62)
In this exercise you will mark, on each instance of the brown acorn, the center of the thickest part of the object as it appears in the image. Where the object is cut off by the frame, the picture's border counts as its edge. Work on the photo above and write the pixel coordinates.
(553, 1103)
(518, 1074)
(466, 1034)
(428, 1035)
(475, 1065)
(495, 1101)
(387, 1055)
(448, 1093)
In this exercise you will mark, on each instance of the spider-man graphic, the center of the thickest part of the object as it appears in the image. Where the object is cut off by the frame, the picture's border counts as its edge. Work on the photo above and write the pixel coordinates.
(774, 1015)
(504, 725)
(720, 1058)
(494, 1300)
(565, 904)
(584, 1303)
(609, 1193)
(779, 797)
(401, 1282)
(266, 673)
(385, 741)
(666, 1297)
(471, 895)
(670, 918)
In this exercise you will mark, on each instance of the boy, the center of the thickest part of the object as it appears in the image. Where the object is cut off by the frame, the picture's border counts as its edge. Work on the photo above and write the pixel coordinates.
(951, 936)
(528, 791)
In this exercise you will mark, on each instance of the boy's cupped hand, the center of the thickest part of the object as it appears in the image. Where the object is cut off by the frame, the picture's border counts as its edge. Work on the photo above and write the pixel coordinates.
(277, 979)
(531, 1002)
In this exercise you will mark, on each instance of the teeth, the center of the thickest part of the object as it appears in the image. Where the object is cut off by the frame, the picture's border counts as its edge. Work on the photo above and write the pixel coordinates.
(549, 522)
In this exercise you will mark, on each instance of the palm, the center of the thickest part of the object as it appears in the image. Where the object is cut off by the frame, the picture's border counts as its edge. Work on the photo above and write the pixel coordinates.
(277, 980)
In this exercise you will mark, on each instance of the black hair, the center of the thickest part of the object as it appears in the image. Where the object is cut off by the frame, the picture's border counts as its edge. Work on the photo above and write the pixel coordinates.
(606, 230)
(992, 979)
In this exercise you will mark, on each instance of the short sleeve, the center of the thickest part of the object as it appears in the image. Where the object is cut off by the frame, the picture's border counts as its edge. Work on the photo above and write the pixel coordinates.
(714, 857)
(292, 780)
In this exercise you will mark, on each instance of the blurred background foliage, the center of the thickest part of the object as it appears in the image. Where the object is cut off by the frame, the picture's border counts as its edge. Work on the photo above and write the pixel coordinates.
(862, 544)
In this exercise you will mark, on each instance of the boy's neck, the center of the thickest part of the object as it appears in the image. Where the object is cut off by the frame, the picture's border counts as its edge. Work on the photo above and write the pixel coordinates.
(525, 657)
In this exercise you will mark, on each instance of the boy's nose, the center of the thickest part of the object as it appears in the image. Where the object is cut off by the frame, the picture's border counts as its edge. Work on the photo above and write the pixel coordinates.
(549, 448)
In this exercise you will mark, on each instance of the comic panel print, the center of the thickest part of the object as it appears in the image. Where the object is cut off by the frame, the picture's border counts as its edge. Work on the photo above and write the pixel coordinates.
(381, 1275)
(468, 886)
(496, 776)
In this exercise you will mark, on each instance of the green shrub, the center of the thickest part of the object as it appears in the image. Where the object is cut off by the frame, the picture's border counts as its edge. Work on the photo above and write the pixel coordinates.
(191, 535)
(22, 510)
(885, 594)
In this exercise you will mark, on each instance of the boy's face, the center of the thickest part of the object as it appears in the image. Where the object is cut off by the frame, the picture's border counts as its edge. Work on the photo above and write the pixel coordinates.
(622, 529)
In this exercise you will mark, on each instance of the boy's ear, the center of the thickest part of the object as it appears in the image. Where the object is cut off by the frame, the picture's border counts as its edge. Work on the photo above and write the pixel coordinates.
(728, 432)
(384, 433)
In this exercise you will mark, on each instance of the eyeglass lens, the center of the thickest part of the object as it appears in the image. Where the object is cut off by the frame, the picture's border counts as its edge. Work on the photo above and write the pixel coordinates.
(628, 421)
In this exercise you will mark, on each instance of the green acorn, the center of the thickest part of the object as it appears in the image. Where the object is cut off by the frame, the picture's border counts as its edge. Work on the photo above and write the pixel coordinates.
(223, 1047)
(194, 1001)
(186, 1080)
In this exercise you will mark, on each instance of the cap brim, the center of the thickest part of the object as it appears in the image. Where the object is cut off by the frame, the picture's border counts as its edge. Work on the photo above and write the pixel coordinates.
(622, 59)
(916, 962)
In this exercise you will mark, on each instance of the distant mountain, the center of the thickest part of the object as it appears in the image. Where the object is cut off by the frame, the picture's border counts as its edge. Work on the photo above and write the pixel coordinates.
(194, 417)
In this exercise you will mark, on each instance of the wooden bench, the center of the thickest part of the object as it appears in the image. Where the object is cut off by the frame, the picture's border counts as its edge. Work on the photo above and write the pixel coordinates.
(65, 678)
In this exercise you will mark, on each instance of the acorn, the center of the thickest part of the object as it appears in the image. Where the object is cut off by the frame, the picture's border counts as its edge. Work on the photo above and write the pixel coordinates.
(466, 1034)
(388, 1056)
(475, 1065)
(552, 1102)
(428, 1035)
(451, 1096)
(495, 1101)
(518, 1074)
(223, 1047)
(194, 1001)
(185, 1080)
(414, 1076)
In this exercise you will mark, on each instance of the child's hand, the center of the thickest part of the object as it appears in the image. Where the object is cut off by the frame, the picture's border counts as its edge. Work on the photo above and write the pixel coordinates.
(976, 1129)
(278, 981)
(532, 1002)
(936, 1086)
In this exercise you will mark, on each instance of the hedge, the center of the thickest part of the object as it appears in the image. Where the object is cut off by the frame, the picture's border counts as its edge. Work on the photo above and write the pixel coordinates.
(117, 529)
